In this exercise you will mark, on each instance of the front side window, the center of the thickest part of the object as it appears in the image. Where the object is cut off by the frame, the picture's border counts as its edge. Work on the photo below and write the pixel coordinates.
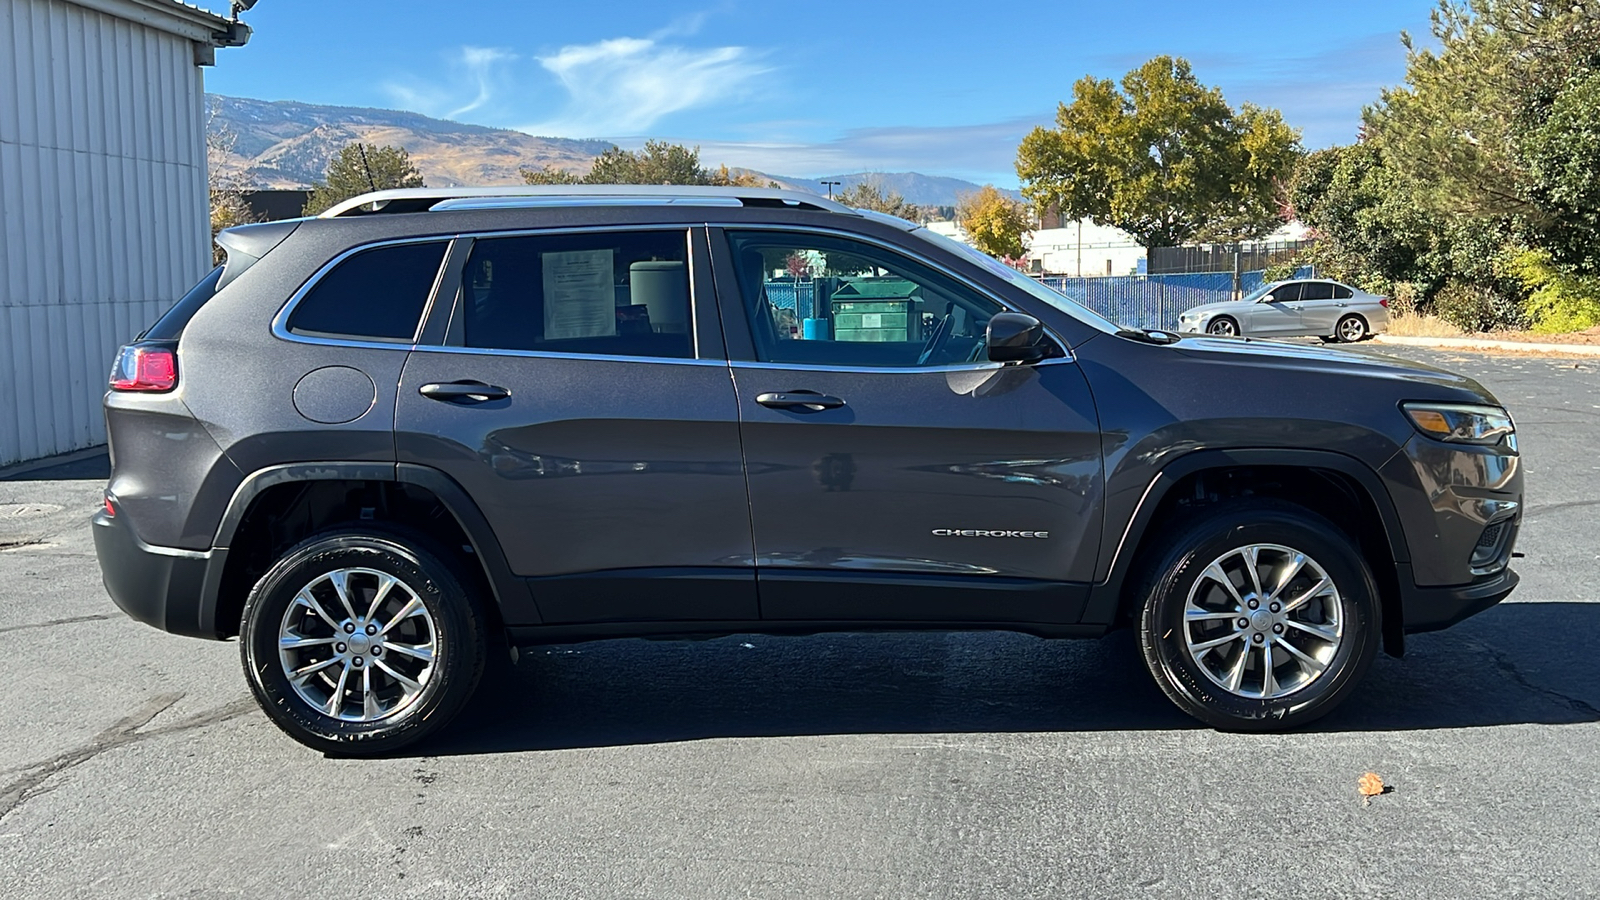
(603, 293)
(375, 294)
(1287, 293)
(823, 300)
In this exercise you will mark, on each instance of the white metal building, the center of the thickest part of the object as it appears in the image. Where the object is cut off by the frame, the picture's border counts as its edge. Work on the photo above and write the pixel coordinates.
(104, 219)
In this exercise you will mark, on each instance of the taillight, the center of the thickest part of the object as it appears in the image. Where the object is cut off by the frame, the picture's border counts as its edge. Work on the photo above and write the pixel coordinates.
(111, 511)
(145, 369)
(1383, 302)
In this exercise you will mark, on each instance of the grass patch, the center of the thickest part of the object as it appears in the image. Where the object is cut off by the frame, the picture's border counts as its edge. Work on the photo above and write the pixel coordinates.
(1413, 325)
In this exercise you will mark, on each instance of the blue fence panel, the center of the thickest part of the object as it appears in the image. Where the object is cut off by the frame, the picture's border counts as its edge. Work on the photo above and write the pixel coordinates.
(789, 295)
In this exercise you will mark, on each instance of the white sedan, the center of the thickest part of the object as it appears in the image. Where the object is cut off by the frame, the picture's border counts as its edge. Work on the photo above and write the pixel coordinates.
(1303, 306)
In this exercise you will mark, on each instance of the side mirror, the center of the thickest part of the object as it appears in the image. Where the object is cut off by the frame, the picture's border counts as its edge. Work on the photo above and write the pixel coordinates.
(1266, 299)
(1015, 337)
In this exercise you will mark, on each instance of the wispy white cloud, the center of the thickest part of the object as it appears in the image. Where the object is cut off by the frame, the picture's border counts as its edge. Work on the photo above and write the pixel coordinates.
(626, 85)
(475, 76)
(983, 153)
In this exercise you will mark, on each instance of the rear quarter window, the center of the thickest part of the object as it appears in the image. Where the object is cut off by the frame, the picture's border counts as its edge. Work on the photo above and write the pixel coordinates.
(376, 294)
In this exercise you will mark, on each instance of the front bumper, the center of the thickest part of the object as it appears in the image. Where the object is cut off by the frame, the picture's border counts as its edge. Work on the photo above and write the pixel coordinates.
(159, 586)
(1433, 608)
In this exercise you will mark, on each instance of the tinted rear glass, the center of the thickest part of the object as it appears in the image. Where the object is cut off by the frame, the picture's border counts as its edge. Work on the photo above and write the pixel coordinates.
(376, 294)
(1317, 290)
(171, 324)
(608, 293)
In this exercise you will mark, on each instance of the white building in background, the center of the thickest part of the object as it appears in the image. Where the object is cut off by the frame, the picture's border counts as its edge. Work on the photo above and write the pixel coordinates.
(1081, 249)
(104, 218)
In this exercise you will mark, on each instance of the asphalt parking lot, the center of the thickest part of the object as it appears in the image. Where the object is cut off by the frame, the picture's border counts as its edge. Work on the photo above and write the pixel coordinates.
(132, 763)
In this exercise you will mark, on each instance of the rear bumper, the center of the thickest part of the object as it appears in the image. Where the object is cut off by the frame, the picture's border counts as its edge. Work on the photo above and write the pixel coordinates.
(159, 586)
(1433, 608)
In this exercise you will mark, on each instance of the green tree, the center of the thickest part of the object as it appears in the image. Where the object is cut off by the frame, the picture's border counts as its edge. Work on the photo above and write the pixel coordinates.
(871, 195)
(1452, 127)
(1371, 231)
(1560, 156)
(1164, 158)
(994, 222)
(548, 174)
(359, 169)
(658, 162)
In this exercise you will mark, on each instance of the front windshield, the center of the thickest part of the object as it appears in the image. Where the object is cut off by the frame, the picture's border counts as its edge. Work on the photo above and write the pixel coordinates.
(1259, 292)
(1034, 287)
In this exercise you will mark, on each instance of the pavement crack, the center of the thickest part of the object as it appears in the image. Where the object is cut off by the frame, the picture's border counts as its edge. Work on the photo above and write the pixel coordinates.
(1541, 509)
(125, 731)
(1510, 670)
(71, 620)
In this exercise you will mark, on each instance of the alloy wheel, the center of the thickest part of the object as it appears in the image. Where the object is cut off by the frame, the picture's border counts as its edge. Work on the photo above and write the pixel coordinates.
(357, 644)
(1224, 328)
(1352, 329)
(1263, 621)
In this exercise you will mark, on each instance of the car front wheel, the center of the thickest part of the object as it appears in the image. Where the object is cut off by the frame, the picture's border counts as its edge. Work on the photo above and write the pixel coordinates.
(1259, 616)
(361, 643)
(1222, 326)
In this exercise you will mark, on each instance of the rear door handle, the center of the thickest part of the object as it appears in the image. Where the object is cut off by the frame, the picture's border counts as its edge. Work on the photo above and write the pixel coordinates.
(807, 399)
(463, 392)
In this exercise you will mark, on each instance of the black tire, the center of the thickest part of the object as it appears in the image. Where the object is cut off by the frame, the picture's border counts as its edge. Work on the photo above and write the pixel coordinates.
(1223, 326)
(457, 626)
(1354, 325)
(1183, 556)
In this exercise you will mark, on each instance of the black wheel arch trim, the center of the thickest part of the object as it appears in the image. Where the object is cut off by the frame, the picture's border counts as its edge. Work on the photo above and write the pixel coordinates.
(1106, 597)
(511, 595)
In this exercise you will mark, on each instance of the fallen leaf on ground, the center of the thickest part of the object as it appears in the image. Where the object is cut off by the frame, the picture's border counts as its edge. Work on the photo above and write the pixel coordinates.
(1370, 786)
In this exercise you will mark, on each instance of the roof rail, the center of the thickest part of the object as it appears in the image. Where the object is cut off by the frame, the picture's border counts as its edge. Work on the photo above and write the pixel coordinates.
(404, 200)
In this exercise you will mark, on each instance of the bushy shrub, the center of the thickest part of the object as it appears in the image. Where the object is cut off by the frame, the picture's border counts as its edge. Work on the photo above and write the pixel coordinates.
(1405, 299)
(1557, 300)
(1472, 307)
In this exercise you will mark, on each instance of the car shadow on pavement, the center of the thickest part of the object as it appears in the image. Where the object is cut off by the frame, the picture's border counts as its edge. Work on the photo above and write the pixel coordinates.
(1518, 663)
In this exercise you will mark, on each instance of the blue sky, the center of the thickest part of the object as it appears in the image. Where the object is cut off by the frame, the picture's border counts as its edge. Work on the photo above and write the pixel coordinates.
(816, 88)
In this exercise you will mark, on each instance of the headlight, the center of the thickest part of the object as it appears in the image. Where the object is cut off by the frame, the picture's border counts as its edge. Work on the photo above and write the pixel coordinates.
(1461, 423)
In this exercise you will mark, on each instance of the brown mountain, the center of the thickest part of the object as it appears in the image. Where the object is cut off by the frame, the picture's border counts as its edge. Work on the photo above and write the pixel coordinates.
(286, 144)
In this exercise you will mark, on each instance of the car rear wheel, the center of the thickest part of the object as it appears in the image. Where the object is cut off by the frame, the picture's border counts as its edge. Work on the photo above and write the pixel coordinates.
(361, 643)
(1258, 616)
(1351, 329)
(1222, 326)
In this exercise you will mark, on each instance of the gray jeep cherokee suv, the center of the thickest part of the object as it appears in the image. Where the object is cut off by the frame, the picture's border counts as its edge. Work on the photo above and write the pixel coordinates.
(382, 445)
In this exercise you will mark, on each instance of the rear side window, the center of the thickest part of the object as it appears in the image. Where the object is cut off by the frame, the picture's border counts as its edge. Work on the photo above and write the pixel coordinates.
(1317, 290)
(375, 294)
(606, 293)
(1340, 292)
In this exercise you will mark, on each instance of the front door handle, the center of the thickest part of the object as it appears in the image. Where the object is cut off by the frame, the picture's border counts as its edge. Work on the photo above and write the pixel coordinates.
(463, 392)
(805, 399)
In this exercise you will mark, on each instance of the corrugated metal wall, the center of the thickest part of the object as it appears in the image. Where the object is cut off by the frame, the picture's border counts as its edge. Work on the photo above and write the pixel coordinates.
(103, 207)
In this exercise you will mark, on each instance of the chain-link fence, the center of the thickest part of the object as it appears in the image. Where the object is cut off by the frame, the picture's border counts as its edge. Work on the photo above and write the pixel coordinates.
(1138, 301)
(1222, 257)
(1154, 301)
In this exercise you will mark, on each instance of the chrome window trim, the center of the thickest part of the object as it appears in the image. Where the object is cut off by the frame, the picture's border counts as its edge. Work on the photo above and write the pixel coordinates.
(902, 370)
(1066, 350)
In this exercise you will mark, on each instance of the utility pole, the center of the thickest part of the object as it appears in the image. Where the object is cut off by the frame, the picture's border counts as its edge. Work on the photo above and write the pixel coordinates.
(1080, 248)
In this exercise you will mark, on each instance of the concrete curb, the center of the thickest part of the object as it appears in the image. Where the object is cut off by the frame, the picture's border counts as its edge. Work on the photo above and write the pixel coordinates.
(1481, 344)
